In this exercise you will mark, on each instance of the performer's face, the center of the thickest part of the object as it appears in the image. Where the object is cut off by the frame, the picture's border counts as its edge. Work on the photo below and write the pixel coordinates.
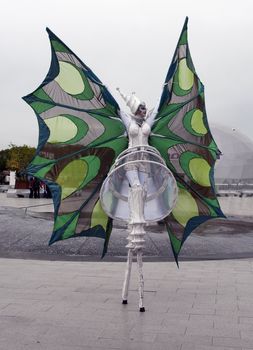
(141, 111)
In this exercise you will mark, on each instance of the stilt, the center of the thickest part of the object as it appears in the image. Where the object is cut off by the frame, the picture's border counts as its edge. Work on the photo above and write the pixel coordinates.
(141, 280)
(127, 276)
(135, 240)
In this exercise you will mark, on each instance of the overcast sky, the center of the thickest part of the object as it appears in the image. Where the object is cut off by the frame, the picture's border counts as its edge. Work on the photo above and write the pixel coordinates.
(128, 44)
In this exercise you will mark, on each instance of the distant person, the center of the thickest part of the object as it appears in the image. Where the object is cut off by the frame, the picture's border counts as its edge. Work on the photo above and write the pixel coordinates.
(49, 195)
(44, 189)
(36, 188)
(31, 187)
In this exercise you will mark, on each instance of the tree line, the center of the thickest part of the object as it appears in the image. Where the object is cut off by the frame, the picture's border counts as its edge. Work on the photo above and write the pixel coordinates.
(16, 157)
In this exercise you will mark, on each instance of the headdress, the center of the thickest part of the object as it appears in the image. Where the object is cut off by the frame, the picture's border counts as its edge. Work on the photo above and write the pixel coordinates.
(132, 101)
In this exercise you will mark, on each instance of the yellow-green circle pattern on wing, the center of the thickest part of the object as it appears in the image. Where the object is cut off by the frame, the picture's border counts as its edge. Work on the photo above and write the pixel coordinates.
(183, 80)
(71, 177)
(61, 128)
(186, 207)
(185, 75)
(69, 79)
(98, 216)
(198, 123)
(200, 171)
(78, 174)
(194, 122)
(196, 167)
(66, 128)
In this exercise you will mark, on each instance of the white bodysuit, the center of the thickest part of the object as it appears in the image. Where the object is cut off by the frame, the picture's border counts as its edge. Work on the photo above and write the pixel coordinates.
(138, 136)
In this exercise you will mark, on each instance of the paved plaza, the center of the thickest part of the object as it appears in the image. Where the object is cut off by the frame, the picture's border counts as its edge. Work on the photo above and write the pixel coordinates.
(63, 297)
(54, 305)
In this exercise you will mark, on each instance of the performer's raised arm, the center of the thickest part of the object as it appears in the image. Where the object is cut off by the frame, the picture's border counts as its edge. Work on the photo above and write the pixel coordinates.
(137, 108)
(152, 114)
(125, 118)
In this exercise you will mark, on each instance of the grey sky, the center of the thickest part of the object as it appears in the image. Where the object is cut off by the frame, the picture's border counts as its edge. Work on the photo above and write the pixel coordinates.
(128, 44)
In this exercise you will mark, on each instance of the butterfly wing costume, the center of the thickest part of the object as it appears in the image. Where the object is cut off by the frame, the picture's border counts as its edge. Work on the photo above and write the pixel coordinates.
(81, 134)
(182, 136)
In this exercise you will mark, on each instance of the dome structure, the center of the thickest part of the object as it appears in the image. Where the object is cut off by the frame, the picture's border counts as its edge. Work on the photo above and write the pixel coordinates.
(236, 161)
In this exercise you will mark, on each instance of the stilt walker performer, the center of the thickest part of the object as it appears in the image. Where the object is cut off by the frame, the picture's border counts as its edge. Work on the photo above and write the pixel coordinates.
(101, 163)
(136, 169)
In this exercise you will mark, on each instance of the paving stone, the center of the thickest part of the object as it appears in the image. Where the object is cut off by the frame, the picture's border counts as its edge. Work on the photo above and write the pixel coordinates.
(232, 342)
(206, 347)
(246, 319)
(213, 332)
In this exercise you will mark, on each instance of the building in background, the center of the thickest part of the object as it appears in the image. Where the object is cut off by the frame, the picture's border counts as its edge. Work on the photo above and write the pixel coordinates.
(234, 170)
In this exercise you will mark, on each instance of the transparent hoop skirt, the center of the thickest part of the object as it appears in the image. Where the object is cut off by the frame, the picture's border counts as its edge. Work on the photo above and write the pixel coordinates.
(143, 166)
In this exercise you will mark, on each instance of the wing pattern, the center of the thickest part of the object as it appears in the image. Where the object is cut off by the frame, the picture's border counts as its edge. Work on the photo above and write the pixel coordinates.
(182, 135)
(80, 135)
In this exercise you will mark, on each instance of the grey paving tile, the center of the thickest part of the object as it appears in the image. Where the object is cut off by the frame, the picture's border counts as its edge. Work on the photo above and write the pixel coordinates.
(206, 347)
(202, 310)
(232, 342)
(189, 339)
(246, 334)
(156, 346)
(14, 344)
(246, 319)
(67, 336)
(226, 319)
(213, 332)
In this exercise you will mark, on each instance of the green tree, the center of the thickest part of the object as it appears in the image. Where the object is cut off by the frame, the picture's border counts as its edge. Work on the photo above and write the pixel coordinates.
(4, 156)
(19, 157)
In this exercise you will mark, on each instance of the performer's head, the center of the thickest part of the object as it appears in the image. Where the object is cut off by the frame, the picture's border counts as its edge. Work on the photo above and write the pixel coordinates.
(137, 107)
(141, 110)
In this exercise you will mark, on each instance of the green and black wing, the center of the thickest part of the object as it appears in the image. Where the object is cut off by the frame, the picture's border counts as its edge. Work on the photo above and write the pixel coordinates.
(181, 134)
(80, 135)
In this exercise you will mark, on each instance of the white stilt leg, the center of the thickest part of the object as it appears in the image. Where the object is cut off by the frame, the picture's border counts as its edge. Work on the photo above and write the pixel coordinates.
(127, 276)
(135, 239)
(141, 280)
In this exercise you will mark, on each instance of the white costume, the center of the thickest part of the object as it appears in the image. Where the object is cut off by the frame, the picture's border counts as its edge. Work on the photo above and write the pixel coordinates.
(138, 130)
(139, 188)
(137, 134)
